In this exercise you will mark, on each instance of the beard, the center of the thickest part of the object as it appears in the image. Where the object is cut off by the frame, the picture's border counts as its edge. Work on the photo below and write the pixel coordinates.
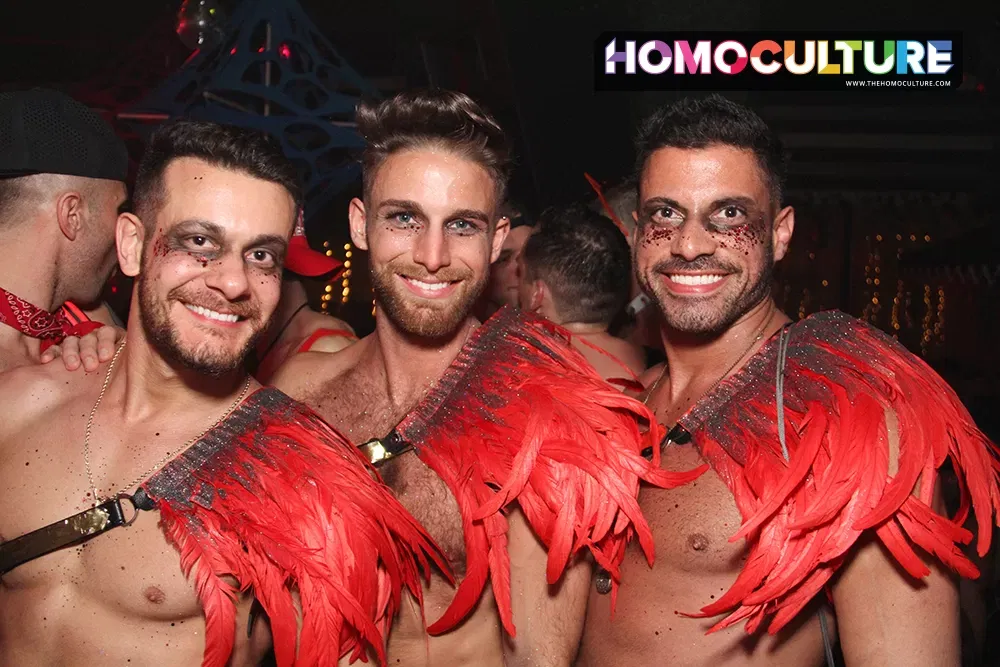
(712, 315)
(204, 358)
(425, 318)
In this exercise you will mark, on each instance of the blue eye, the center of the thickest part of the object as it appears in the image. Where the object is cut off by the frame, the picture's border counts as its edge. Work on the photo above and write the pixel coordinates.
(464, 227)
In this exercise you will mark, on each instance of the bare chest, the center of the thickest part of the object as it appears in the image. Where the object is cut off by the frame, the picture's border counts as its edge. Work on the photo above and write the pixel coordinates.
(44, 477)
(692, 524)
(361, 414)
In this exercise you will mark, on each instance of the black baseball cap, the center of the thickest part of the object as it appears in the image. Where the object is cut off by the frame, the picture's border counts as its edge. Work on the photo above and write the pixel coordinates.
(48, 132)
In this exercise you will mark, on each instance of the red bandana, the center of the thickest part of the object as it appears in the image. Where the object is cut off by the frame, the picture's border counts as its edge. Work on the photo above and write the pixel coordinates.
(37, 323)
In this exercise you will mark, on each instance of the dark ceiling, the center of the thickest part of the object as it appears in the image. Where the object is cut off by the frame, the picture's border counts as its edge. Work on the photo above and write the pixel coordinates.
(531, 62)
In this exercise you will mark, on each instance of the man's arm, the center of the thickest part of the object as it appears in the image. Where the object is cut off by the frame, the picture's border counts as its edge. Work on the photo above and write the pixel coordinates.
(884, 617)
(548, 619)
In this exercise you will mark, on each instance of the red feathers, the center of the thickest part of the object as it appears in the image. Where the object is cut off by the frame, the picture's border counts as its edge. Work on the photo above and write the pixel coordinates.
(844, 384)
(521, 417)
(279, 501)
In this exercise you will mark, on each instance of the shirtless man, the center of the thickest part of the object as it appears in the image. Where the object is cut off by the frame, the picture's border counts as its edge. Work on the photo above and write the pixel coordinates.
(215, 207)
(295, 327)
(434, 170)
(62, 182)
(710, 228)
(575, 270)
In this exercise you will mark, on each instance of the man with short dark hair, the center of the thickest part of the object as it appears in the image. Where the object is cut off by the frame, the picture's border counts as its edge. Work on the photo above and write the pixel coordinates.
(825, 438)
(62, 182)
(195, 497)
(575, 270)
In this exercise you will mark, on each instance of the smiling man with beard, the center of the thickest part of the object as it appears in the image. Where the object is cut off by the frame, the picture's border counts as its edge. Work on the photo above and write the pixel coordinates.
(825, 437)
(498, 437)
(266, 505)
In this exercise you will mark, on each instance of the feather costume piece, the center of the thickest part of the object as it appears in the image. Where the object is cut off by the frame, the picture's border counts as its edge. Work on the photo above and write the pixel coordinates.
(520, 416)
(841, 380)
(278, 500)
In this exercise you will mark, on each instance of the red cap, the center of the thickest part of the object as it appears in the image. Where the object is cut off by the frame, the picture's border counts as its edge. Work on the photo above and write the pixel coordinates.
(305, 261)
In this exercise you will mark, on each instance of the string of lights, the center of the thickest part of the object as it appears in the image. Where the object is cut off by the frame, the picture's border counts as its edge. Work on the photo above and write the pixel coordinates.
(345, 278)
(345, 281)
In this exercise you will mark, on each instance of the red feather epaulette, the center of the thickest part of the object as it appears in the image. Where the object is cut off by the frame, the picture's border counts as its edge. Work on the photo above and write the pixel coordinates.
(276, 499)
(800, 518)
(520, 416)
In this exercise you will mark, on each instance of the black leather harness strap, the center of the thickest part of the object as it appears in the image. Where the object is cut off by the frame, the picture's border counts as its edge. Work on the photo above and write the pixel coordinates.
(71, 531)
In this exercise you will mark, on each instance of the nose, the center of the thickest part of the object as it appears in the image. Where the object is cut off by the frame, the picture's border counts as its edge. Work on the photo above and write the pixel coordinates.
(431, 250)
(692, 241)
(228, 276)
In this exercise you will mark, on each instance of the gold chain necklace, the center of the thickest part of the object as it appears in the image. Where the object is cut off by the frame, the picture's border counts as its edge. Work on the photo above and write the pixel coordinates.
(167, 457)
(672, 434)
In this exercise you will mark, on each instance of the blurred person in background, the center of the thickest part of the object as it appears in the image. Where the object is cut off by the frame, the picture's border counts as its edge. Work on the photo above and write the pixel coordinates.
(296, 328)
(575, 270)
(501, 290)
(62, 184)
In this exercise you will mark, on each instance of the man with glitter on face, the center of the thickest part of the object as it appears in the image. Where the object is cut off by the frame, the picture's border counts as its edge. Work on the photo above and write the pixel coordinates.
(498, 436)
(825, 438)
(195, 497)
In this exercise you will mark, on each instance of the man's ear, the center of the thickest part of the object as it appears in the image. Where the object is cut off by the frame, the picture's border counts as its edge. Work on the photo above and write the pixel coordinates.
(130, 235)
(69, 214)
(358, 217)
(499, 235)
(784, 225)
(539, 295)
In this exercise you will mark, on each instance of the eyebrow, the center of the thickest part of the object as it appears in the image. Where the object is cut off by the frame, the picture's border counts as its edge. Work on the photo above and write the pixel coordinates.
(738, 200)
(735, 200)
(471, 213)
(401, 203)
(195, 225)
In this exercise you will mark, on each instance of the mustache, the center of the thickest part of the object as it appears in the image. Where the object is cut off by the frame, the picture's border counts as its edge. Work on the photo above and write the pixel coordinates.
(697, 265)
(242, 309)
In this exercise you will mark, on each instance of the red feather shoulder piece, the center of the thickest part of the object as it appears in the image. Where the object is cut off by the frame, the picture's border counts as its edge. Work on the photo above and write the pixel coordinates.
(844, 382)
(520, 416)
(277, 500)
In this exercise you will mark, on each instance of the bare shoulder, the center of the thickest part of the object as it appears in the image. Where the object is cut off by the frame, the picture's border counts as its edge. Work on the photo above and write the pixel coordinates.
(29, 393)
(319, 321)
(303, 373)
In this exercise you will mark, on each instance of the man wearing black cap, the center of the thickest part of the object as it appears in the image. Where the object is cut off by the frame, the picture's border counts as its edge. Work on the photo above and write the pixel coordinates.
(62, 183)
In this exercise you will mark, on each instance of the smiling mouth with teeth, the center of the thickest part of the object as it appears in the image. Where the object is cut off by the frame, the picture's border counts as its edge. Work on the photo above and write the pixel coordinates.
(213, 315)
(701, 279)
(429, 286)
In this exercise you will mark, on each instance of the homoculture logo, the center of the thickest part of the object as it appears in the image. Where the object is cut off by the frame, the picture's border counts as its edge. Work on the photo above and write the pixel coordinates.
(800, 61)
